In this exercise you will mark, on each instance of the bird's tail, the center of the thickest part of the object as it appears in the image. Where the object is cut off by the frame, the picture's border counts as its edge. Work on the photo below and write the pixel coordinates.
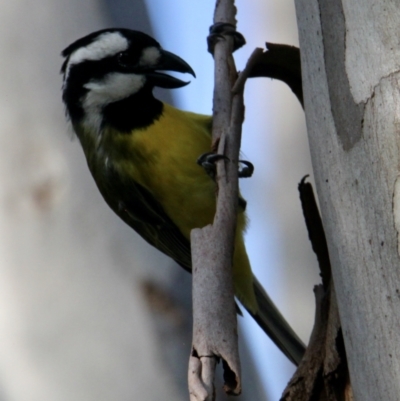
(275, 326)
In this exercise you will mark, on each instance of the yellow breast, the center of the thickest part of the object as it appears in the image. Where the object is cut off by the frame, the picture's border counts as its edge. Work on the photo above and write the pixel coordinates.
(163, 159)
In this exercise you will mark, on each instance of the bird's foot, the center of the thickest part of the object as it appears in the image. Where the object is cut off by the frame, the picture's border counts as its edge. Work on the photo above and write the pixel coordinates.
(208, 160)
(217, 32)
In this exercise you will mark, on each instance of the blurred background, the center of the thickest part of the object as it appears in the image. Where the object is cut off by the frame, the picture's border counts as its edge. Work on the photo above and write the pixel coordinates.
(88, 310)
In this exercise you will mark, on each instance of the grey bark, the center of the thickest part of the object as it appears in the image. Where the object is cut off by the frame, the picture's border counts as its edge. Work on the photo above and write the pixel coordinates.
(350, 60)
(214, 314)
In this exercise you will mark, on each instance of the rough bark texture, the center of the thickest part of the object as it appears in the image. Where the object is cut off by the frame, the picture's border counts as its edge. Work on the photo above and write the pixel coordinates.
(323, 372)
(350, 59)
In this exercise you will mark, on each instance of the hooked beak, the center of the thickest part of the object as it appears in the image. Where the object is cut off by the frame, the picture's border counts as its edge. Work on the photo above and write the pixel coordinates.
(169, 62)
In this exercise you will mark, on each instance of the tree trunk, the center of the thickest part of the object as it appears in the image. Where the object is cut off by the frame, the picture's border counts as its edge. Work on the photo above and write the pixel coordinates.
(350, 58)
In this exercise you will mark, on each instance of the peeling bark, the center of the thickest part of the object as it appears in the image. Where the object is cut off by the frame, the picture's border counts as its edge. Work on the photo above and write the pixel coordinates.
(214, 312)
(351, 78)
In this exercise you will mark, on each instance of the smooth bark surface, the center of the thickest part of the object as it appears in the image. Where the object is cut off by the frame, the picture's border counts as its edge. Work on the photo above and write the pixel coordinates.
(350, 59)
(73, 322)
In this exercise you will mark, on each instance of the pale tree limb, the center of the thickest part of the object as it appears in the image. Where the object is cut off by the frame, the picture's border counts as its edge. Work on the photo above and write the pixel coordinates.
(214, 311)
(350, 67)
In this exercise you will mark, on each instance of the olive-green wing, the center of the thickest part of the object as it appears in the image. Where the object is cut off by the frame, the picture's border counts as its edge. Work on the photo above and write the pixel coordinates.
(141, 211)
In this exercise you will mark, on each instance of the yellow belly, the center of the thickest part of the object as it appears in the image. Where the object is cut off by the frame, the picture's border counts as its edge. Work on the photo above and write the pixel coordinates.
(166, 156)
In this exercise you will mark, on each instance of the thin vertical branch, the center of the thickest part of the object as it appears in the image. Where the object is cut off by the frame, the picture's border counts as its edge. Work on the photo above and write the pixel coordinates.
(214, 312)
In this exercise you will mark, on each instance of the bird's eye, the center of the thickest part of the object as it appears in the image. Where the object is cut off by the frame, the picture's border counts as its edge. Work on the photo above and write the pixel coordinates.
(124, 60)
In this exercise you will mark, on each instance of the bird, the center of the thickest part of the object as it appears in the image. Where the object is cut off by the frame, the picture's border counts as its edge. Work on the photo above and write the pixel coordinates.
(142, 154)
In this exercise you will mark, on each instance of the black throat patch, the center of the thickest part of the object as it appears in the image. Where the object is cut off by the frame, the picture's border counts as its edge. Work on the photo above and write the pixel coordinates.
(134, 112)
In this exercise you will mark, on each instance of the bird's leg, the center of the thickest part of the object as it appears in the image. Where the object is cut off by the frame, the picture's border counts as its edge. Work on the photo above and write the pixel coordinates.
(208, 160)
(217, 32)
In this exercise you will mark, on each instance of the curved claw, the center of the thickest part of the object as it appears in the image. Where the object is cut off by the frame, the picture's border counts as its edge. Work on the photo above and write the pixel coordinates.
(217, 32)
(248, 169)
(208, 160)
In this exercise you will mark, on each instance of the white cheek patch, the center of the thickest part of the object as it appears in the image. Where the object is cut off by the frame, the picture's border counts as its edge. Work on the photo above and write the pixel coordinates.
(114, 87)
(150, 56)
(106, 45)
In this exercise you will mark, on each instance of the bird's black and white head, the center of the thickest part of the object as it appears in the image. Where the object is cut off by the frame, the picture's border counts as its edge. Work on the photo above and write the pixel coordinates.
(109, 77)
